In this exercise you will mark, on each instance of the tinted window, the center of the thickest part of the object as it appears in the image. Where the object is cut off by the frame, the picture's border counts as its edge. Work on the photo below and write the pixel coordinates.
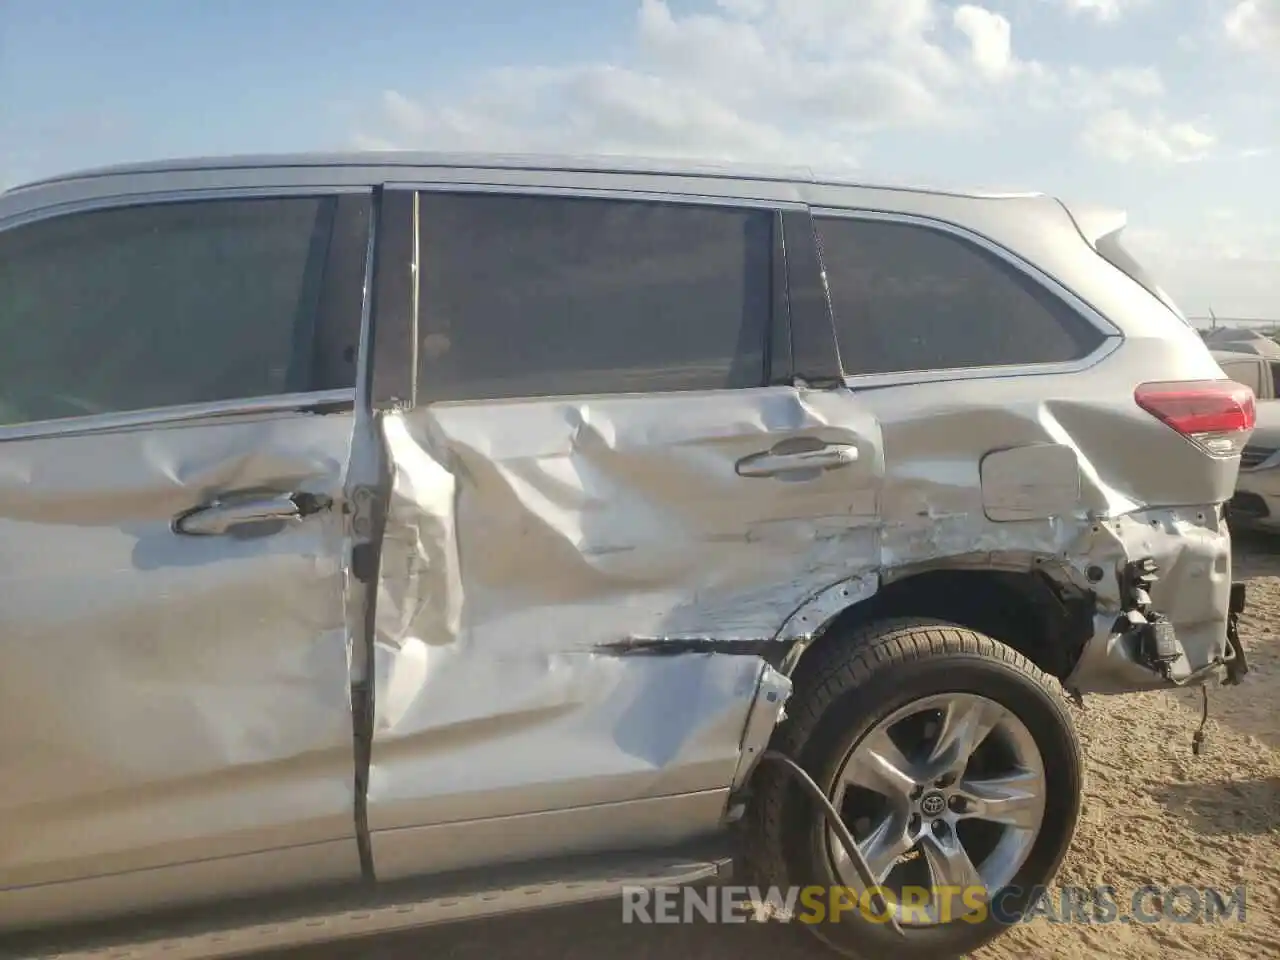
(1244, 371)
(911, 298)
(167, 304)
(539, 296)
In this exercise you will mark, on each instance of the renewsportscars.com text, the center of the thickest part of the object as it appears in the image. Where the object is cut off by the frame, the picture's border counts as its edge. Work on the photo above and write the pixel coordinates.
(1178, 903)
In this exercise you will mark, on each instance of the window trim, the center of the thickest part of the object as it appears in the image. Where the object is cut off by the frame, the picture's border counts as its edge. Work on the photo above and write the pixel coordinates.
(326, 401)
(815, 350)
(391, 324)
(176, 414)
(1111, 336)
(777, 326)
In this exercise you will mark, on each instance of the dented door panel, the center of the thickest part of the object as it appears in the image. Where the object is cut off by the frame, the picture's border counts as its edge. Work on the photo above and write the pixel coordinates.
(543, 558)
(572, 591)
(170, 699)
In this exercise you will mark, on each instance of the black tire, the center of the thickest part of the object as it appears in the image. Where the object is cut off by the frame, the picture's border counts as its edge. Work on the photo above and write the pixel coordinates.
(858, 681)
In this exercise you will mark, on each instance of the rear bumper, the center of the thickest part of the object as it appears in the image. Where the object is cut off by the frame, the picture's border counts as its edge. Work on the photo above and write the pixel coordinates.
(1168, 618)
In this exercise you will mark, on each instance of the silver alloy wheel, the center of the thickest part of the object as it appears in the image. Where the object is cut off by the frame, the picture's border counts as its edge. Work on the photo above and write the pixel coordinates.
(934, 769)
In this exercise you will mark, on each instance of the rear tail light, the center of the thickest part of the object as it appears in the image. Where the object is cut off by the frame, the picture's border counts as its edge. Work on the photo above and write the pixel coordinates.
(1216, 415)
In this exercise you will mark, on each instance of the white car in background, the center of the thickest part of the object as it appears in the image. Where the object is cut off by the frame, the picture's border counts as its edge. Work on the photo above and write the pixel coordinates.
(1256, 503)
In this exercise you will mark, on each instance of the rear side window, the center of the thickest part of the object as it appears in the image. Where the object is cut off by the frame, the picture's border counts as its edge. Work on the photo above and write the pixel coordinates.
(178, 303)
(529, 296)
(908, 297)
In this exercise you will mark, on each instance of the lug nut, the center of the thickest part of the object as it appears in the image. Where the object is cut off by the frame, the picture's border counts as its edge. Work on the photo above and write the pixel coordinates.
(957, 804)
(940, 828)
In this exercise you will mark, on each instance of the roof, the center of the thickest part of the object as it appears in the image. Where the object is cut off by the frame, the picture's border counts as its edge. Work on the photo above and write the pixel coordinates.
(556, 162)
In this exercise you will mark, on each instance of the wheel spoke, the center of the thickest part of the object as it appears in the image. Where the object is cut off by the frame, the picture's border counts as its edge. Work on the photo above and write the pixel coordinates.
(966, 721)
(886, 845)
(878, 765)
(1015, 800)
(937, 763)
(949, 863)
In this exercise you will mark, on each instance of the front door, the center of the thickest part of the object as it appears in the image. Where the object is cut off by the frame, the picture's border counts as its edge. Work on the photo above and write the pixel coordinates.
(607, 498)
(176, 393)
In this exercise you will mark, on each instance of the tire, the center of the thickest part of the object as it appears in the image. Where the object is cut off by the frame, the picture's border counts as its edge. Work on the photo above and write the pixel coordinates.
(858, 684)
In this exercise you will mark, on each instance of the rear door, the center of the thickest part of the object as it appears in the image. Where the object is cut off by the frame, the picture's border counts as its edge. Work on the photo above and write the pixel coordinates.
(176, 392)
(608, 495)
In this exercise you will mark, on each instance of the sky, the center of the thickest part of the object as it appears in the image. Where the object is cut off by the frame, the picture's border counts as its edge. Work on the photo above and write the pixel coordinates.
(1168, 109)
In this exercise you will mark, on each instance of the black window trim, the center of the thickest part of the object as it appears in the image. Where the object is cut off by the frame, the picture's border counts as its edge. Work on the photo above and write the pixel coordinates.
(393, 323)
(815, 351)
(1110, 337)
(308, 401)
(396, 388)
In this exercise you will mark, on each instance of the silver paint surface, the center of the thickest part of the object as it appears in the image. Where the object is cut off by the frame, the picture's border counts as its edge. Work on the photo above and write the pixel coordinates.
(169, 699)
(184, 704)
(523, 537)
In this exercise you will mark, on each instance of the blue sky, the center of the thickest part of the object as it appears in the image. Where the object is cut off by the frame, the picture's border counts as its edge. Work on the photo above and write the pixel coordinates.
(1167, 108)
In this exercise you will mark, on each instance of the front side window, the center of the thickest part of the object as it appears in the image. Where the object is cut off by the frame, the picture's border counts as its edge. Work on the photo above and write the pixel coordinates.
(176, 303)
(908, 298)
(533, 296)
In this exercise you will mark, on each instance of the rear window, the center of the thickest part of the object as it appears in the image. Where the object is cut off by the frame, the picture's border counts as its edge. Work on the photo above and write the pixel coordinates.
(908, 297)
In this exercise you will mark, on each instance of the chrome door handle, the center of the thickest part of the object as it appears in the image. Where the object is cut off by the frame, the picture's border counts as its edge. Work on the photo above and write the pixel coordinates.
(829, 456)
(225, 516)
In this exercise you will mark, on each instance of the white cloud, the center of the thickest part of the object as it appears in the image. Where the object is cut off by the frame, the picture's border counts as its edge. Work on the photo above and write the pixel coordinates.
(790, 81)
(768, 80)
(1107, 11)
(1254, 25)
(1119, 136)
(990, 41)
(1224, 261)
(1092, 91)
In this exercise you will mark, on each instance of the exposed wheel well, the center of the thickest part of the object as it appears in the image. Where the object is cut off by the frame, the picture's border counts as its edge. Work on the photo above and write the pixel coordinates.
(1025, 611)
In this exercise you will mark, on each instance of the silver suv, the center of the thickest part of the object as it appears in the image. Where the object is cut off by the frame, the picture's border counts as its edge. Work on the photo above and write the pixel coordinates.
(394, 539)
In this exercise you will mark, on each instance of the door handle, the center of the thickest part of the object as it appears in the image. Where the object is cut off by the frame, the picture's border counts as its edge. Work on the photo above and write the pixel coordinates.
(829, 456)
(226, 516)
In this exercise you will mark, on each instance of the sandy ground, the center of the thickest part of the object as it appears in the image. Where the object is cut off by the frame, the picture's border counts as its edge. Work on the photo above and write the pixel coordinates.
(1154, 814)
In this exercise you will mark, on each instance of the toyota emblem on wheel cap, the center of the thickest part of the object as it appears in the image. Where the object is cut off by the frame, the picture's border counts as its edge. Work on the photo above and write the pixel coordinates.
(933, 804)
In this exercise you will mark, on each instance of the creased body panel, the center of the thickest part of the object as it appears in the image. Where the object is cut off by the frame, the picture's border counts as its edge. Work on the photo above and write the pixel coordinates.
(561, 580)
(1192, 549)
(169, 698)
(1138, 491)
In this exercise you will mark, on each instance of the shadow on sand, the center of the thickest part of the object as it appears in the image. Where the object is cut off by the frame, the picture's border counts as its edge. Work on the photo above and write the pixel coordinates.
(1226, 806)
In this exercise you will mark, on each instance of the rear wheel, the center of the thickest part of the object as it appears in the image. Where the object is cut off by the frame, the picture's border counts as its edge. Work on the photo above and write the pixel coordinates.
(954, 763)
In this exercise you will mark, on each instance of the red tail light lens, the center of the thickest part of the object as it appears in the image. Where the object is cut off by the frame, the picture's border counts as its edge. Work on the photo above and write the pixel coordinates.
(1215, 415)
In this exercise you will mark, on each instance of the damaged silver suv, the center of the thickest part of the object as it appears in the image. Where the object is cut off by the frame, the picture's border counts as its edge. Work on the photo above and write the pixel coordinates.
(397, 539)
